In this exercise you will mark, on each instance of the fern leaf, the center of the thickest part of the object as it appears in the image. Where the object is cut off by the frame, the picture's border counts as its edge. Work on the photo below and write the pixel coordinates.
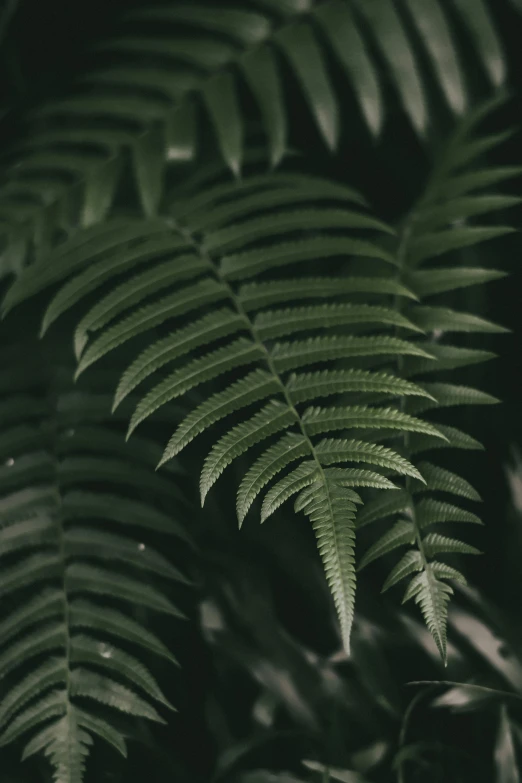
(477, 19)
(455, 439)
(434, 544)
(89, 616)
(385, 505)
(47, 605)
(254, 296)
(358, 477)
(279, 323)
(289, 448)
(250, 263)
(118, 508)
(123, 297)
(89, 651)
(438, 215)
(148, 156)
(100, 581)
(198, 204)
(429, 282)
(349, 47)
(66, 745)
(271, 419)
(95, 725)
(331, 511)
(436, 244)
(431, 23)
(75, 253)
(299, 478)
(432, 595)
(298, 353)
(43, 709)
(390, 36)
(221, 323)
(104, 545)
(430, 512)
(402, 533)
(444, 480)
(448, 357)
(256, 386)
(444, 571)
(443, 319)
(300, 45)
(332, 450)
(259, 228)
(247, 26)
(31, 570)
(476, 180)
(50, 637)
(450, 395)
(221, 100)
(268, 195)
(237, 354)
(410, 562)
(261, 74)
(308, 386)
(104, 690)
(43, 677)
(149, 316)
(319, 420)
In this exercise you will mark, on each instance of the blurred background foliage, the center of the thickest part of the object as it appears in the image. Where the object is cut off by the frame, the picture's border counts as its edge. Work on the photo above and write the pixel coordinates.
(265, 694)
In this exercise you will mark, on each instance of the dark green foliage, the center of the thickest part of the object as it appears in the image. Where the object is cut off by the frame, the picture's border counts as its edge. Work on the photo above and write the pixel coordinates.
(241, 315)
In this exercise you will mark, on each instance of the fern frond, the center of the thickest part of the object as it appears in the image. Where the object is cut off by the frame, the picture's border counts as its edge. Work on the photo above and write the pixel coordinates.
(230, 244)
(430, 231)
(59, 545)
(147, 107)
(212, 247)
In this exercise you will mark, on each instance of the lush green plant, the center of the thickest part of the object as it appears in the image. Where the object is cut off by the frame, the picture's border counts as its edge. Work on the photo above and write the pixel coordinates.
(247, 312)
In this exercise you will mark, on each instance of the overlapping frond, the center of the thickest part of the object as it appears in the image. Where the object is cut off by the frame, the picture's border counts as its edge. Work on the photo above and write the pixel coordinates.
(177, 65)
(221, 316)
(220, 332)
(439, 225)
(80, 524)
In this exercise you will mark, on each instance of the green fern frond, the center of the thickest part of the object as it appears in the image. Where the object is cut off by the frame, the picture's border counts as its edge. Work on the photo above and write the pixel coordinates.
(174, 80)
(430, 231)
(60, 546)
(190, 297)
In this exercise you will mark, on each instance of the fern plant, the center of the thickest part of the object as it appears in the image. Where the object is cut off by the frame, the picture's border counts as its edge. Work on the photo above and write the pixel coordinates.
(266, 314)
(177, 63)
(235, 330)
(80, 516)
(230, 244)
